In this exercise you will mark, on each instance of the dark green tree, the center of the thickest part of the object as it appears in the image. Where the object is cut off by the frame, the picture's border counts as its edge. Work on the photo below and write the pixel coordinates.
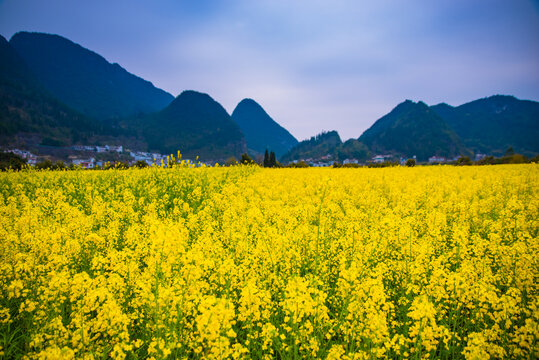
(509, 151)
(45, 164)
(410, 162)
(299, 164)
(517, 159)
(463, 160)
(59, 165)
(231, 161)
(246, 159)
(140, 164)
(272, 161)
(11, 161)
(121, 165)
(266, 159)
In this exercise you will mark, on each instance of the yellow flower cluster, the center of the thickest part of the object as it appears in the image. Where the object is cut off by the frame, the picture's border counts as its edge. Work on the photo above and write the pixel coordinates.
(245, 262)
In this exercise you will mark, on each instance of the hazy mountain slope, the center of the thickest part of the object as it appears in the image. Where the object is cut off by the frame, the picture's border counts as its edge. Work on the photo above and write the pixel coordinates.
(260, 130)
(493, 124)
(86, 81)
(413, 129)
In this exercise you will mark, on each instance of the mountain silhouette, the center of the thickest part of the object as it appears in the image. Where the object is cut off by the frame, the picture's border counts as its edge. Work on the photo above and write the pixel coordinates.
(493, 124)
(86, 81)
(54, 92)
(28, 111)
(413, 129)
(196, 125)
(260, 130)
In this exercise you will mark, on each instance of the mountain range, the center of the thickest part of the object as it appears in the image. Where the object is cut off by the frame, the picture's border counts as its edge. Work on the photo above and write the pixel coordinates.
(54, 92)
(488, 126)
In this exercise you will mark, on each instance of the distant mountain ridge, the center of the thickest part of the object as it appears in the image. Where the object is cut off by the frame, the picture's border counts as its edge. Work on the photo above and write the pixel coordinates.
(55, 92)
(86, 81)
(493, 124)
(193, 123)
(489, 126)
(261, 131)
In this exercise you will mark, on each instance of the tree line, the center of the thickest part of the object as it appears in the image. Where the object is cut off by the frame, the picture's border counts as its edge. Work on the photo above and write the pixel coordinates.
(15, 162)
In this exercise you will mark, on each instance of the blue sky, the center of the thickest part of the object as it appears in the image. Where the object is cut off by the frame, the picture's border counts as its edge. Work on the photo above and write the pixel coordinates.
(313, 65)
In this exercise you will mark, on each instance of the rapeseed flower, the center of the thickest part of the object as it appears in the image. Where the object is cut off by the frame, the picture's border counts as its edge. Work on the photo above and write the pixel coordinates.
(244, 262)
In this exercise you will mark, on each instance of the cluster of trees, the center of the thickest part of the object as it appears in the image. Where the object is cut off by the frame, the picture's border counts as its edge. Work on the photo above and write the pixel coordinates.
(11, 161)
(244, 160)
(269, 160)
(490, 160)
(409, 162)
(299, 164)
(510, 157)
(15, 162)
(384, 164)
(60, 165)
(337, 164)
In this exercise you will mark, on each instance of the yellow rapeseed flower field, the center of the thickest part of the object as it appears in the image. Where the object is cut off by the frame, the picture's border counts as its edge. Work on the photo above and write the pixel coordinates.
(245, 262)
